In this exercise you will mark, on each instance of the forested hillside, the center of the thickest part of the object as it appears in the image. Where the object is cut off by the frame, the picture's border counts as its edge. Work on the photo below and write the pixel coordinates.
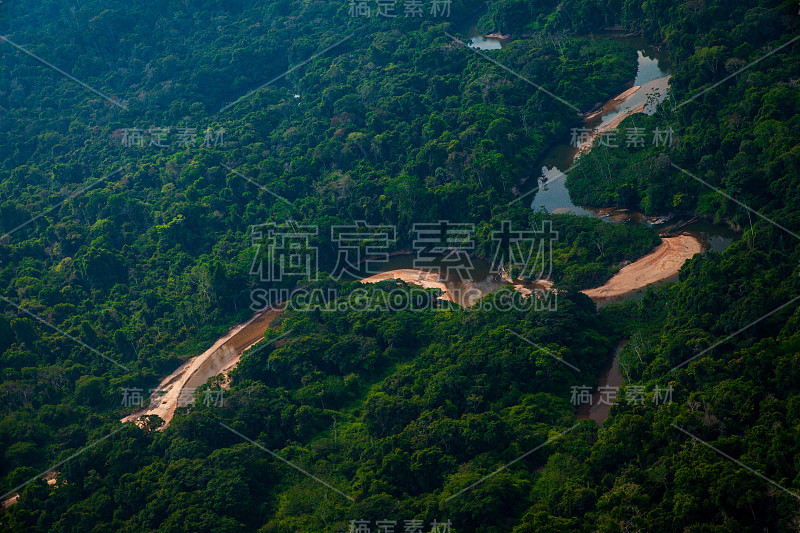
(141, 143)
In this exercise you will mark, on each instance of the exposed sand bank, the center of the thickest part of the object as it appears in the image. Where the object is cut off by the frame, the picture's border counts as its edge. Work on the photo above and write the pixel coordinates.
(611, 125)
(637, 101)
(421, 278)
(664, 262)
(620, 98)
(466, 294)
(222, 356)
(526, 290)
(49, 477)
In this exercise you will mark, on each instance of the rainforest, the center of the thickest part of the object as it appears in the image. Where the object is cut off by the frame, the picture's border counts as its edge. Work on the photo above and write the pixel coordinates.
(388, 266)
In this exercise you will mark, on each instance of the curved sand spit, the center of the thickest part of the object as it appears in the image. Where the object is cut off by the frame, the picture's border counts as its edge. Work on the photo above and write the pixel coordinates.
(614, 104)
(221, 357)
(421, 278)
(663, 263)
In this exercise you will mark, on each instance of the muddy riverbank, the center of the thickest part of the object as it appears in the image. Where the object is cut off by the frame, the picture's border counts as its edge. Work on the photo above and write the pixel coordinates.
(610, 380)
(222, 356)
(662, 264)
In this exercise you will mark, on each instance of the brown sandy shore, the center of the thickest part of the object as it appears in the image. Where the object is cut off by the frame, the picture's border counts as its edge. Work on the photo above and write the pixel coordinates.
(663, 263)
(50, 479)
(612, 124)
(620, 98)
(616, 103)
(221, 357)
(421, 278)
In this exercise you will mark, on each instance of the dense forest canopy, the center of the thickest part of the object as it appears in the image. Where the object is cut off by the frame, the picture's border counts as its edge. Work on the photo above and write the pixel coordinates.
(141, 144)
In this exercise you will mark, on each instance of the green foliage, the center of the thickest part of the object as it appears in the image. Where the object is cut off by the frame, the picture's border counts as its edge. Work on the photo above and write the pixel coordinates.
(398, 124)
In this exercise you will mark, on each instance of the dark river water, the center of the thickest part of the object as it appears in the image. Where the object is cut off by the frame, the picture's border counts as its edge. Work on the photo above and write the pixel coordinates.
(653, 74)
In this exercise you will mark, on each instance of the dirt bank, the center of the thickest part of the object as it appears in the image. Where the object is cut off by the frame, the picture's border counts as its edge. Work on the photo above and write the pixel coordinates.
(222, 356)
(49, 477)
(526, 289)
(616, 101)
(611, 125)
(427, 280)
(663, 263)
(465, 293)
(609, 380)
(637, 99)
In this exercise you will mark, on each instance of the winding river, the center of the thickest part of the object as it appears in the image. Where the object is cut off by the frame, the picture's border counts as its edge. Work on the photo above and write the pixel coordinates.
(661, 265)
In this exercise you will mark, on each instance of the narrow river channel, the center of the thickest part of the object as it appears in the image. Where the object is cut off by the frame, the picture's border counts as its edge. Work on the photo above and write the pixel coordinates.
(651, 79)
(648, 88)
